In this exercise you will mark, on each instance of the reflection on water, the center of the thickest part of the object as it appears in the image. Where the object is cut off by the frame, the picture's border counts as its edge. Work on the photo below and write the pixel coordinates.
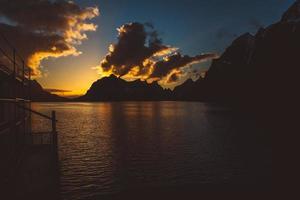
(111, 147)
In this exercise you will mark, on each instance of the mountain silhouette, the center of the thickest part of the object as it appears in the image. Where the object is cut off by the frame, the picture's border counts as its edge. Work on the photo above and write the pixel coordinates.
(116, 89)
(36, 91)
(39, 94)
(225, 75)
(246, 73)
(252, 66)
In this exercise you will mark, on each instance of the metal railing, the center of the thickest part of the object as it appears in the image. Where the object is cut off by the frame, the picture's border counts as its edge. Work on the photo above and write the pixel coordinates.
(15, 75)
(16, 136)
(16, 112)
(15, 108)
(15, 79)
(11, 62)
(14, 127)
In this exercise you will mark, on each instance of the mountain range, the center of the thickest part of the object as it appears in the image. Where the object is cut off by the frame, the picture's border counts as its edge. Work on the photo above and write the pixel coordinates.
(39, 94)
(247, 71)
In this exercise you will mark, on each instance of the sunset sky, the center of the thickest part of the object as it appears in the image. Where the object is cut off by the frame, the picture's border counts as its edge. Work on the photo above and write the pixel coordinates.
(193, 26)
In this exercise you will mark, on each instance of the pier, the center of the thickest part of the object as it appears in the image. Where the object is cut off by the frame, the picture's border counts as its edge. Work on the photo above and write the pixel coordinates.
(29, 166)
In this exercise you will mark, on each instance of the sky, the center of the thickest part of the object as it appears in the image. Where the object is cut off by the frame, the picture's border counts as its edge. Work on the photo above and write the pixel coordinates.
(193, 26)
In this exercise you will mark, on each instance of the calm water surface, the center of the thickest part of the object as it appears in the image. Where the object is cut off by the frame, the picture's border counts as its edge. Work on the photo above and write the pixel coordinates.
(106, 148)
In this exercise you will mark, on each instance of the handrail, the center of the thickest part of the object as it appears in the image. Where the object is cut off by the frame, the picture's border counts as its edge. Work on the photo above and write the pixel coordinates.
(12, 60)
(11, 46)
(52, 118)
(28, 109)
(21, 65)
(37, 113)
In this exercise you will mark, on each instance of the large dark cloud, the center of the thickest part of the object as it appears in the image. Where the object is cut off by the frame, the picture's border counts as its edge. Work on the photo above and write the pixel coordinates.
(140, 54)
(132, 48)
(39, 29)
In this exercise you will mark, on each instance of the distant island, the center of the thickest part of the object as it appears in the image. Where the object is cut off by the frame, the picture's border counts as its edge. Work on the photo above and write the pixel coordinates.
(245, 72)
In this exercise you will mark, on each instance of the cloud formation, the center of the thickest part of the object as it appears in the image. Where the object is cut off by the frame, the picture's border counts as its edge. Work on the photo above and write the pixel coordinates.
(51, 90)
(140, 54)
(45, 28)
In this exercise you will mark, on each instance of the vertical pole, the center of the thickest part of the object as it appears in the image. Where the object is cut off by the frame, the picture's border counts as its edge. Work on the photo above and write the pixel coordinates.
(23, 80)
(54, 132)
(14, 57)
(14, 75)
(29, 98)
(15, 130)
(53, 114)
(24, 102)
(23, 71)
(29, 86)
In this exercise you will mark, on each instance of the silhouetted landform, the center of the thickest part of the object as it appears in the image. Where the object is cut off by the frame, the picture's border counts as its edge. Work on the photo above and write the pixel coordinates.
(116, 89)
(229, 78)
(245, 72)
(250, 68)
(40, 95)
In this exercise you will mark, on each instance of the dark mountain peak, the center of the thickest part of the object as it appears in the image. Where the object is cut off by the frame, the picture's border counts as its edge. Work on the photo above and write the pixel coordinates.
(238, 52)
(245, 36)
(36, 85)
(245, 39)
(39, 94)
(113, 88)
(292, 14)
(260, 33)
(111, 78)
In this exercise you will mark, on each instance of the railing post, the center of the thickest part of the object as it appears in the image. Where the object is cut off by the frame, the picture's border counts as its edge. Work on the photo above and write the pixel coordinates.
(14, 62)
(53, 116)
(15, 95)
(29, 98)
(29, 85)
(23, 72)
(54, 132)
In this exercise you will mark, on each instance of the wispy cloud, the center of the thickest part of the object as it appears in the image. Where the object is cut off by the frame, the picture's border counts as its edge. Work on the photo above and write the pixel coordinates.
(51, 90)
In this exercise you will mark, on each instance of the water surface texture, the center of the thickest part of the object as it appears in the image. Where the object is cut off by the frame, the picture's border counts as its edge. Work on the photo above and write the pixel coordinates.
(106, 148)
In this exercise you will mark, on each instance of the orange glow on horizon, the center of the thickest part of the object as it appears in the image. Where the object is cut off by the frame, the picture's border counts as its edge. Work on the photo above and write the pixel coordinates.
(71, 94)
(71, 83)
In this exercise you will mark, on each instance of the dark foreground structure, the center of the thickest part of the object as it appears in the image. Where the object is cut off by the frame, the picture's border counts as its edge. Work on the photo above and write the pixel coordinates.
(29, 161)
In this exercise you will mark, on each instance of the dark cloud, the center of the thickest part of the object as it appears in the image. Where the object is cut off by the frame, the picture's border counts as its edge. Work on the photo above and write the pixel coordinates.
(132, 48)
(45, 28)
(141, 54)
